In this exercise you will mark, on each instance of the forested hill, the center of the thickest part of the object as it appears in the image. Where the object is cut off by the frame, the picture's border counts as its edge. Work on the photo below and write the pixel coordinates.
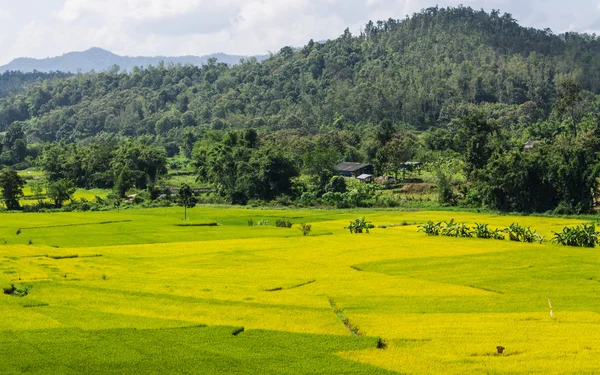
(421, 71)
(98, 59)
(14, 82)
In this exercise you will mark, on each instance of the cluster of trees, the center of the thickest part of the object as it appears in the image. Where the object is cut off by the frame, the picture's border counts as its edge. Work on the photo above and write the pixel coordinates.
(556, 172)
(13, 146)
(111, 163)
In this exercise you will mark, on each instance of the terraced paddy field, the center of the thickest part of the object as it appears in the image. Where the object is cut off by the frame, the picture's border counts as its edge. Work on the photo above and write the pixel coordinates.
(143, 292)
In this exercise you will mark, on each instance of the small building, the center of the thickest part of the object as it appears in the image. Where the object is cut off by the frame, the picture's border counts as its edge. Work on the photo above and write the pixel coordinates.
(530, 145)
(366, 177)
(354, 169)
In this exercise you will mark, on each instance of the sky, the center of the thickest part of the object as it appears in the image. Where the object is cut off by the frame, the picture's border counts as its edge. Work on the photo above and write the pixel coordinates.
(46, 28)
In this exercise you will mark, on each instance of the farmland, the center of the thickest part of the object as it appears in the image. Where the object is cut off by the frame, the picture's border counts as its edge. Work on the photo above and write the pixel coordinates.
(142, 291)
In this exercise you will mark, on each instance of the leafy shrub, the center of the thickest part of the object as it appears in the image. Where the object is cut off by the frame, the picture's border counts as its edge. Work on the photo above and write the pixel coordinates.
(431, 229)
(282, 223)
(360, 225)
(483, 231)
(308, 199)
(580, 236)
(17, 290)
(305, 228)
(452, 229)
(263, 223)
(518, 233)
(250, 222)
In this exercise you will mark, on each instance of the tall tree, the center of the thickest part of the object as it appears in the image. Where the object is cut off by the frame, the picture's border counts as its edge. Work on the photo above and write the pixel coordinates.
(186, 199)
(60, 191)
(11, 185)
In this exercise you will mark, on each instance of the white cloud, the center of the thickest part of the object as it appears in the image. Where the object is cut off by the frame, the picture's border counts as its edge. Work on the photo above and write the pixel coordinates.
(176, 27)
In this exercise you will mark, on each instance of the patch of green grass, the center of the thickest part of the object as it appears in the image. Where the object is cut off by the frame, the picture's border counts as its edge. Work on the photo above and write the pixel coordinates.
(196, 350)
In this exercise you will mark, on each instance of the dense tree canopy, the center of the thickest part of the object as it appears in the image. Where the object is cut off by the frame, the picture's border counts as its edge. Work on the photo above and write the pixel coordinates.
(446, 83)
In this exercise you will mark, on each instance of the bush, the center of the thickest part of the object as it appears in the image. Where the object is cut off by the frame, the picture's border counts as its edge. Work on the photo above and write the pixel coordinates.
(483, 231)
(305, 228)
(518, 233)
(360, 225)
(308, 199)
(452, 229)
(17, 290)
(337, 184)
(580, 236)
(431, 229)
(283, 223)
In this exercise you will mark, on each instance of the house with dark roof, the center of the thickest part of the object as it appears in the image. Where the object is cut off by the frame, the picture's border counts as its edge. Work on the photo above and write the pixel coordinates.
(354, 169)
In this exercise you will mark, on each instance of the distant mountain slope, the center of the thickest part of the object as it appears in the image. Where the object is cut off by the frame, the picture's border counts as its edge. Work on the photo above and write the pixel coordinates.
(423, 71)
(98, 59)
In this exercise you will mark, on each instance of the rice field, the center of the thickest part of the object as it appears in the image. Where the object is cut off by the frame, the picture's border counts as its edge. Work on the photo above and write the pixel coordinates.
(142, 291)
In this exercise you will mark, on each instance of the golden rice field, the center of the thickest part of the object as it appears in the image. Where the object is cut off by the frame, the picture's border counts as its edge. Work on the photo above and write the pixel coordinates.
(147, 295)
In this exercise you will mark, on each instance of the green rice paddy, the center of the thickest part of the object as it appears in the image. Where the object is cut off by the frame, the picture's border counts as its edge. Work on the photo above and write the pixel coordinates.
(136, 292)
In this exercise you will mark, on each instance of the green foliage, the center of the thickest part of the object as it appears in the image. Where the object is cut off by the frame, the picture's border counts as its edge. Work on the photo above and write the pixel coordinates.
(580, 236)
(186, 198)
(430, 228)
(483, 231)
(337, 184)
(283, 223)
(11, 186)
(444, 189)
(239, 170)
(60, 191)
(453, 229)
(17, 290)
(305, 228)
(360, 225)
(519, 233)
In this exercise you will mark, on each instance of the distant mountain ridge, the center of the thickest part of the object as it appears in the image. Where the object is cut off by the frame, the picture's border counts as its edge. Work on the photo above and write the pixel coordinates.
(98, 59)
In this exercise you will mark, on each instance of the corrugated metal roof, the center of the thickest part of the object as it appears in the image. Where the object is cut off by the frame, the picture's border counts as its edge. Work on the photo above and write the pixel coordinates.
(351, 167)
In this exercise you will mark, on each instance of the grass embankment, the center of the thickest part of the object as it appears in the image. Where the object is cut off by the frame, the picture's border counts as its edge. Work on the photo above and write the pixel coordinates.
(442, 305)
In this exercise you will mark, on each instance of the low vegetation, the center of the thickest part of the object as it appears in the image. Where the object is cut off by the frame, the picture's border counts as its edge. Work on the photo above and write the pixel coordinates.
(414, 297)
(580, 236)
(451, 228)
